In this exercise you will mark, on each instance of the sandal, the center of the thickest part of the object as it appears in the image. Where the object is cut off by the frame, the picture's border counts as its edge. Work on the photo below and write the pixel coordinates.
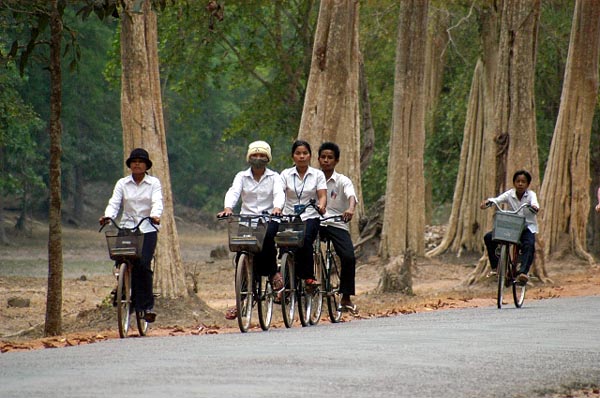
(277, 299)
(277, 281)
(349, 308)
(231, 313)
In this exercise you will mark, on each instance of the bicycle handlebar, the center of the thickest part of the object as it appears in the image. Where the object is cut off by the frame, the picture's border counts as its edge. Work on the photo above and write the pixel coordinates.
(111, 220)
(532, 209)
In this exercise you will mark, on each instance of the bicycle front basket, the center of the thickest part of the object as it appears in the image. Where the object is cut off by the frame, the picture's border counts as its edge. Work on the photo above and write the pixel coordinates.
(246, 233)
(124, 244)
(508, 227)
(290, 234)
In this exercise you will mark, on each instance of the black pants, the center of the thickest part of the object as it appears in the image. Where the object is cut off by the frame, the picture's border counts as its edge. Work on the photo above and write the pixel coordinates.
(305, 265)
(266, 261)
(342, 243)
(141, 277)
(527, 247)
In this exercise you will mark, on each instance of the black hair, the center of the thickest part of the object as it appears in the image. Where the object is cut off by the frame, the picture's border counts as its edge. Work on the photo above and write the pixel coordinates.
(298, 143)
(523, 173)
(330, 146)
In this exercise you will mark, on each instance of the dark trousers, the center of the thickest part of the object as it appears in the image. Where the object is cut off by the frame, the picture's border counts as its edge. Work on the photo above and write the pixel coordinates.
(342, 243)
(527, 247)
(266, 260)
(305, 266)
(141, 277)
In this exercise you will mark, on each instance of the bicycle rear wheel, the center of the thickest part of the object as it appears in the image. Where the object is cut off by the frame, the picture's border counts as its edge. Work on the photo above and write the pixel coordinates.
(243, 292)
(317, 294)
(502, 267)
(332, 288)
(124, 299)
(304, 302)
(517, 289)
(142, 324)
(288, 296)
(265, 302)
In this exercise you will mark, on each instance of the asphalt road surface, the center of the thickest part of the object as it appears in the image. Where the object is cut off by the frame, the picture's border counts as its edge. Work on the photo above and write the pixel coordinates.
(482, 352)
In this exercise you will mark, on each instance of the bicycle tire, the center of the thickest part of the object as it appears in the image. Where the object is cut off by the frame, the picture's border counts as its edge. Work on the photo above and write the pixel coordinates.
(317, 294)
(517, 289)
(265, 302)
(288, 297)
(332, 288)
(304, 302)
(502, 268)
(243, 292)
(142, 324)
(124, 299)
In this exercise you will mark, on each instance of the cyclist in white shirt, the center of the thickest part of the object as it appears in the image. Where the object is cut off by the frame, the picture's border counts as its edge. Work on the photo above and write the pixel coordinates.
(341, 201)
(302, 183)
(140, 195)
(514, 198)
(261, 192)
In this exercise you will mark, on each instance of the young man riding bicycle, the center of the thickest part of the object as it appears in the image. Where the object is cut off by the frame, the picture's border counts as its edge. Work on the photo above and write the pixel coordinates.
(515, 197)
(341, 201)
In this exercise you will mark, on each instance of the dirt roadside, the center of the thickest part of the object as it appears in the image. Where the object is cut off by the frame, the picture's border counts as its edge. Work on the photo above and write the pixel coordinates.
(88, 315)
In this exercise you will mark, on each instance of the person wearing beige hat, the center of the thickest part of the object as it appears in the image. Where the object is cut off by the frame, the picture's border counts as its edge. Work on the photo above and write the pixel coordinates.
(261, 191)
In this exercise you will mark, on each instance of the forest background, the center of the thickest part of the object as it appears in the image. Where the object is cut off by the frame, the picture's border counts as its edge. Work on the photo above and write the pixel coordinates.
(228, 82)
(231, 77)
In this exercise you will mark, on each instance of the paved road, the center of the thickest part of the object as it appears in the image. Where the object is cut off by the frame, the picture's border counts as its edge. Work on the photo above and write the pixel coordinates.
(482, 352)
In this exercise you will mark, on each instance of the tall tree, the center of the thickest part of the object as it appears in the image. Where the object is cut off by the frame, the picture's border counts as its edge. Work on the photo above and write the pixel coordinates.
(514, 94)
(565, 196)
(143, 126)
(404, 216)
(331, 105)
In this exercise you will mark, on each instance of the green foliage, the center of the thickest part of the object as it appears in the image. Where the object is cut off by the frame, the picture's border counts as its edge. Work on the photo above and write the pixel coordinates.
(19, 150)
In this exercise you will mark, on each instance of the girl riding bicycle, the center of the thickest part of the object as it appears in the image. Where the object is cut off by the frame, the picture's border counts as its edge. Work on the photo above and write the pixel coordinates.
(262, 193)
(302, 183)
(140, 195)
(515, 197)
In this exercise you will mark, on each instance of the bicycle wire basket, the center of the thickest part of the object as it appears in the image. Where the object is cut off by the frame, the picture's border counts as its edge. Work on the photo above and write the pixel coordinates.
(508, 227)
(124, 243)
(246, 233)
(290, 234)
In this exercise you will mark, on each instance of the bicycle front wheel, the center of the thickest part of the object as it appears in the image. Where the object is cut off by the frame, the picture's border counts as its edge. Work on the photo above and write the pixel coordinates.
(288, 296)
(502, 267)
(124, 299)
(142, 324)
(317, 293)
(243, 292)
(265, 302)
(332, 288)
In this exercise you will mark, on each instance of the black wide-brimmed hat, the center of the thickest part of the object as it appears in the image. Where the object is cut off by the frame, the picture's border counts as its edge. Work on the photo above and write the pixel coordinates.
(139, 153)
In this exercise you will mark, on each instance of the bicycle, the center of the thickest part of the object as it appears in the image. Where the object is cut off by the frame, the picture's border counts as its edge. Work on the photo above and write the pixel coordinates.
(124, 247)
(328, 268)
(290, 237)
(246, 234)
(508, 226)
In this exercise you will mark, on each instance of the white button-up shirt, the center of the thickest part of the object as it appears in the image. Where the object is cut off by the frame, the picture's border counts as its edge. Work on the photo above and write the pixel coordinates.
(257, 196)
(300, 191)
(339, 191)
(510, 197)
(138, 200)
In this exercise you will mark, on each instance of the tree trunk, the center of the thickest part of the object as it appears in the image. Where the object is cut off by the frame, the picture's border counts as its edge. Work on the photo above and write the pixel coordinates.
(403, 229)
(435, 61)
(368, 131)
(404, 217)
(514, 89)
(53, 325)
(565, 199)
(463, 225)
(143, 126)
(331, 105)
